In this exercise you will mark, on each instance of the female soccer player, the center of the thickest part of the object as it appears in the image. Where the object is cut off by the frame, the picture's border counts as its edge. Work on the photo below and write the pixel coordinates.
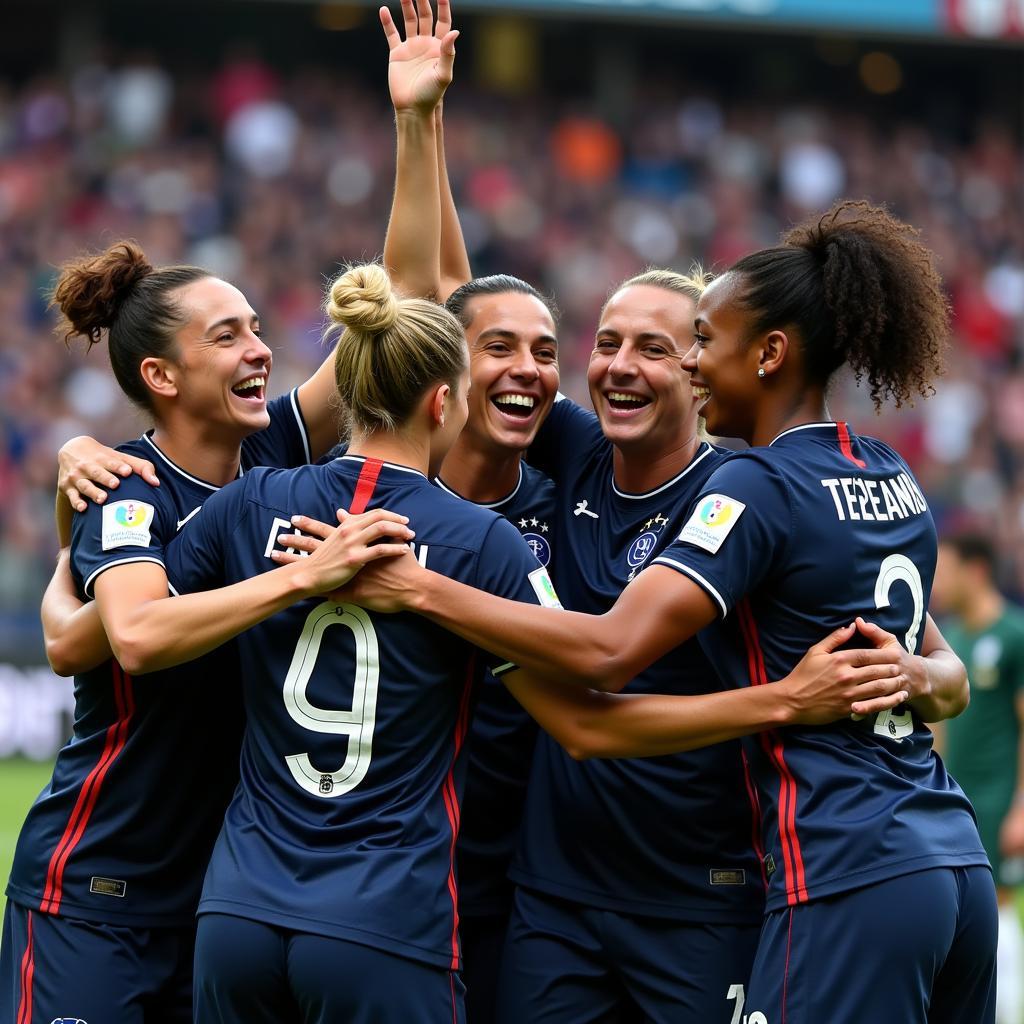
(510, 331)
(331, 893)
(868, 844)
(696, 884)
(101, 900)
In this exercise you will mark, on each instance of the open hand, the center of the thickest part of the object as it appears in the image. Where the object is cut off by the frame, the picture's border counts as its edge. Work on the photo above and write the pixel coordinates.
(829, 684)
(85, 467)
(421, 67)
(336, 553)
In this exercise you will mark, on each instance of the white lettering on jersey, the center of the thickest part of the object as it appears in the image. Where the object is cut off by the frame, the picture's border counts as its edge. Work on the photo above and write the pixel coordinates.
(712, 521)
(543, 588)
(421, 554)
(856, 498)
(582, 510)
(277, 527)
(126, 524)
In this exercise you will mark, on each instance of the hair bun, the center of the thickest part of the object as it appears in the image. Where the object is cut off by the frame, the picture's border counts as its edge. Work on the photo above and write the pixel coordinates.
(363, 299)
(91, 289)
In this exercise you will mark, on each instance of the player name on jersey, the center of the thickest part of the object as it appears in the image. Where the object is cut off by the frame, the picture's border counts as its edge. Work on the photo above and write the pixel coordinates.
(861, 498)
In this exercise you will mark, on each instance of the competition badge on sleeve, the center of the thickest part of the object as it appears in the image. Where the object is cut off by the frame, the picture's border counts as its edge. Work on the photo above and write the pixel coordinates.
(127, 524)
(712, 521)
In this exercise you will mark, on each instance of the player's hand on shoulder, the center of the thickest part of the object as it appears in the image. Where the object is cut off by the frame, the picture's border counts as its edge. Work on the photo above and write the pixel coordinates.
(336, 553)
(829, 684)
(85, 467)
(420, 68)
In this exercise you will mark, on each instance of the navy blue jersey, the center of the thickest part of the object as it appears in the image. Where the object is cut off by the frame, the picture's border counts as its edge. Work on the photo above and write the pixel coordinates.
(661, 836)
(792, 541)
(351, 771)
(501, 736)
(124, 829)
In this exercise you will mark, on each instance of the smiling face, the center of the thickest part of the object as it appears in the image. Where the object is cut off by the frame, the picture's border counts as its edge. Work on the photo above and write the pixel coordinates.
(514, 368)
(221, 366)
(641, 393)
(722, 363)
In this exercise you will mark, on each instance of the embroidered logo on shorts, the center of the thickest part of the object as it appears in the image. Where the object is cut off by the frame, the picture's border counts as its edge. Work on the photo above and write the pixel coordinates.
(728, 876)
(126, 524)
(769, 865)
(107, 886)
(712, 521)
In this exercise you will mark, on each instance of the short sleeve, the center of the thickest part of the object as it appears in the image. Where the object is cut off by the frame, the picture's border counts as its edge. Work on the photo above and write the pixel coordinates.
(134, 528)
(195, 558)
(737, 528)
(568, 432)
(508, 568)
(285, 443)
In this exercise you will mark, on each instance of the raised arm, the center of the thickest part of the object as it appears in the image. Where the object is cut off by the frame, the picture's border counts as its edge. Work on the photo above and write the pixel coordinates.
(419, 71)
(455, 268)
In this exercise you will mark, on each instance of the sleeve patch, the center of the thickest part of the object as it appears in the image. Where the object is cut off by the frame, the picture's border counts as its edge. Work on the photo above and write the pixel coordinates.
(544, 588)
(712, 521)
(127, 524)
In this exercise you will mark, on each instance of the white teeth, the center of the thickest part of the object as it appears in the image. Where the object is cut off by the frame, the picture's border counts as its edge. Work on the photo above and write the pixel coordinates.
(701, 392)
(524, 400)
(246, 385)
(619, 396)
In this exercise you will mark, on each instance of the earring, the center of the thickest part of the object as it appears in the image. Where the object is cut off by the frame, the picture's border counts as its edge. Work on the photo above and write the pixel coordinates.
(760, 371)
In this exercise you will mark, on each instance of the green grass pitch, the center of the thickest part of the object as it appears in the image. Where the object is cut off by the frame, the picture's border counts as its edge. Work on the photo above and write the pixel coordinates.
(20, 783)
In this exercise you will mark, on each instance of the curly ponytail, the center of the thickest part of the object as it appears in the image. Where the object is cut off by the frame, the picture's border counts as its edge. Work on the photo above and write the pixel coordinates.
(118, 291)
(863, 291)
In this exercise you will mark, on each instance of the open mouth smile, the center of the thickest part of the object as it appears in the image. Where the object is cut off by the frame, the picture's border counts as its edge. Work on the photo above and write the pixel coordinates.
(252, 389)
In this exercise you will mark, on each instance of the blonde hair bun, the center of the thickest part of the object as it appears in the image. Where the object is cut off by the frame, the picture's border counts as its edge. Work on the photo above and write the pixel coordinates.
(363, 300)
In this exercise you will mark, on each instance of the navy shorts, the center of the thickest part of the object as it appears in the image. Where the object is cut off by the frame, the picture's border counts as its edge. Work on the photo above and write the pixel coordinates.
(917, 949)
(62, 968)
(262, 974)
(574, 964)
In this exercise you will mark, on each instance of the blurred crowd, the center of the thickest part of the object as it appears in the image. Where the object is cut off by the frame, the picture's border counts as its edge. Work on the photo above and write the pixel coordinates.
(271, 178)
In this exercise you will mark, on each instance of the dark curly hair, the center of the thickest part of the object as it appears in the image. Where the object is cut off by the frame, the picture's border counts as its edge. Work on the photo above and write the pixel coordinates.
(119, 291)
(863, 291)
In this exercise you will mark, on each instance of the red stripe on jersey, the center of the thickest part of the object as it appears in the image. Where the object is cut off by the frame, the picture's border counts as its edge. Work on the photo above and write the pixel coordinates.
(451, 803)
(364, 485)
(28, 967)
(771, 741)
(116, 737)
(845, 447)
(755, 819)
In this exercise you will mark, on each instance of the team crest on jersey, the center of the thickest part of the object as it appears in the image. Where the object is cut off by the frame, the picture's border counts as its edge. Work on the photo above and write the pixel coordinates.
(126, 524)
(326, 784)
(985, 662)
(712, 521)
(643, 546)
(533, 533)
(68, 1020)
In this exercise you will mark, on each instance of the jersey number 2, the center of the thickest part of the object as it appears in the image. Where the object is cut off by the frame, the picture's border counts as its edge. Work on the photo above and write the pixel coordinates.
(356, 723)
(899, 569)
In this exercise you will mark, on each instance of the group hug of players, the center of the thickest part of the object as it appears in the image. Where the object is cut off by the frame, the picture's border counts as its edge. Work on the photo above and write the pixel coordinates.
(333, 762)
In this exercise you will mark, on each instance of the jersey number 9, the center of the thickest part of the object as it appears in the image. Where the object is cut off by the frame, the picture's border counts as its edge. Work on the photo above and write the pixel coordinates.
(357, 722)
